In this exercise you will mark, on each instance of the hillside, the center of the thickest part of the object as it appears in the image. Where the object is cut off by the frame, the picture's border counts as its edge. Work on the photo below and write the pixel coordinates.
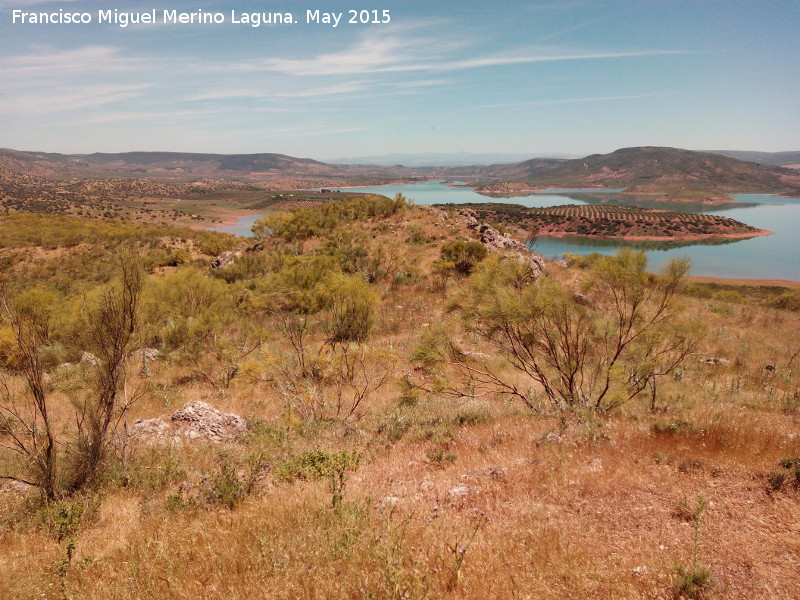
(778, 159)
(185, 167)
(670, 172)
(199, 203)
(336, 411)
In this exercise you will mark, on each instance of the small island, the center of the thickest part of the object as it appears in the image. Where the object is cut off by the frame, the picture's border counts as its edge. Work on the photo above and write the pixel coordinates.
(615, 222)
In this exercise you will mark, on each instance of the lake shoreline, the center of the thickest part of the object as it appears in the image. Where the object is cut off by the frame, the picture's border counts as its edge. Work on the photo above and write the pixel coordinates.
(787, 283)
(768, 257)
(656, 238)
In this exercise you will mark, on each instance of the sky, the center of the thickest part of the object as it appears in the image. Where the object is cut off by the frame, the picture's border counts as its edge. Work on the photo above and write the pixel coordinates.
(535, 78)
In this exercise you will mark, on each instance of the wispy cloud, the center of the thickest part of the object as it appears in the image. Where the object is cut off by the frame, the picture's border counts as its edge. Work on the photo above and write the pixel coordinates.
(578, 100)
(74, 98)
(387, 54)
(331, 90)
(142, 116)
(52, 81)
(493, 61)
(52, 63)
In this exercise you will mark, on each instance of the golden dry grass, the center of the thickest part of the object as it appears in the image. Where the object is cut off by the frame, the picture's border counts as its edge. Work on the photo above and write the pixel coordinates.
(600, 510)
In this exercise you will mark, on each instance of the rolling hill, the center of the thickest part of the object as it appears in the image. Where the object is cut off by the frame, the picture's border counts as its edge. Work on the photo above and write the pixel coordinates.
(671, 172)
(778, 159)
(187, 166)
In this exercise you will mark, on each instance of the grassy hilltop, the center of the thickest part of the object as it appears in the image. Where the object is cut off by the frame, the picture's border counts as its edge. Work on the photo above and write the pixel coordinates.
(426, 415)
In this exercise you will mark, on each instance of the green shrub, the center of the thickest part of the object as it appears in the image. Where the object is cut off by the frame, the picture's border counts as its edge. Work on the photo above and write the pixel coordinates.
(464, 255)
(351, 301)
(439, 456)
(225, 486)
(670, 427)
(693, 581)
(787, 474)
(318, 464)
(416, 236)
(786, 301)
(304, 223)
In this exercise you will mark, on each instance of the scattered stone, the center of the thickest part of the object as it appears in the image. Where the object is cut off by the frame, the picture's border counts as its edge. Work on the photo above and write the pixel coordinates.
(496, 473)
(460, 491)
(89, 360)
(639, 570)
(715, 361)
(18, 488)
(551, 438)
(470, 217)
(228, 257)
(476, 354)
(194, 421)
(389, 502)
(146, 354)
(595, 466)
(581, 299)
(426, 485)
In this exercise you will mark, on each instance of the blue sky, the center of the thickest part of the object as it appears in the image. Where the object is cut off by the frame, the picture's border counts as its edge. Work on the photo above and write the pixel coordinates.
(533, 78)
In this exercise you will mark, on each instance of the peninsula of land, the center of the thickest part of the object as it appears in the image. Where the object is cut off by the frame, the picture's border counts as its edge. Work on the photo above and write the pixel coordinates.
(614, 222)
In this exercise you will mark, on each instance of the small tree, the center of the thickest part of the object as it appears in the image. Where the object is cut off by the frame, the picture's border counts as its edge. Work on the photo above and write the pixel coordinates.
(28, 423)
(110, 327)
(595, 354)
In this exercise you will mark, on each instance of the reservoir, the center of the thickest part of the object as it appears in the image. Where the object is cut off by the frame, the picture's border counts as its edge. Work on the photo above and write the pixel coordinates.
(770, 257)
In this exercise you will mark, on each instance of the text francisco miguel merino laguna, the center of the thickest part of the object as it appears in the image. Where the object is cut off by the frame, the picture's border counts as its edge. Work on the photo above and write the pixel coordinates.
(197, 17)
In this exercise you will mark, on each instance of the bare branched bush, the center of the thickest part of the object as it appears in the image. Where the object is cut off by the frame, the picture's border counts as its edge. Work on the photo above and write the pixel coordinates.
(108, 331)
(111, 326)
(594, 351)
(29, 426)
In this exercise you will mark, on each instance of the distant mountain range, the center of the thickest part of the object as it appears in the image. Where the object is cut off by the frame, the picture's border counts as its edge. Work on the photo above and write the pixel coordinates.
(179, 166)
(646, 169)
(458, 159)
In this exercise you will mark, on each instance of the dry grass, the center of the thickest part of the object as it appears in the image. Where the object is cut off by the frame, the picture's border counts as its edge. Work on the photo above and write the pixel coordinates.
(601, 510)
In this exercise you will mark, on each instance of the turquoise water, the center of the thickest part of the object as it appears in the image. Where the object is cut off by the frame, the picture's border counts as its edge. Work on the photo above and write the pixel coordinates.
(771, 257)
(242, 226)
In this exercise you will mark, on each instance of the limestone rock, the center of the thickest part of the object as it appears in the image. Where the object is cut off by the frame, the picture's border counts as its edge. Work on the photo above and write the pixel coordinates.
(715, 361)
(502, 243)
(595, 466)
(194, 421)
(228, 257)
(496, 473)
(512, 247)
(89, 360)
(469, 216)
(17, 488)
(459, 492)
(146, 355)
